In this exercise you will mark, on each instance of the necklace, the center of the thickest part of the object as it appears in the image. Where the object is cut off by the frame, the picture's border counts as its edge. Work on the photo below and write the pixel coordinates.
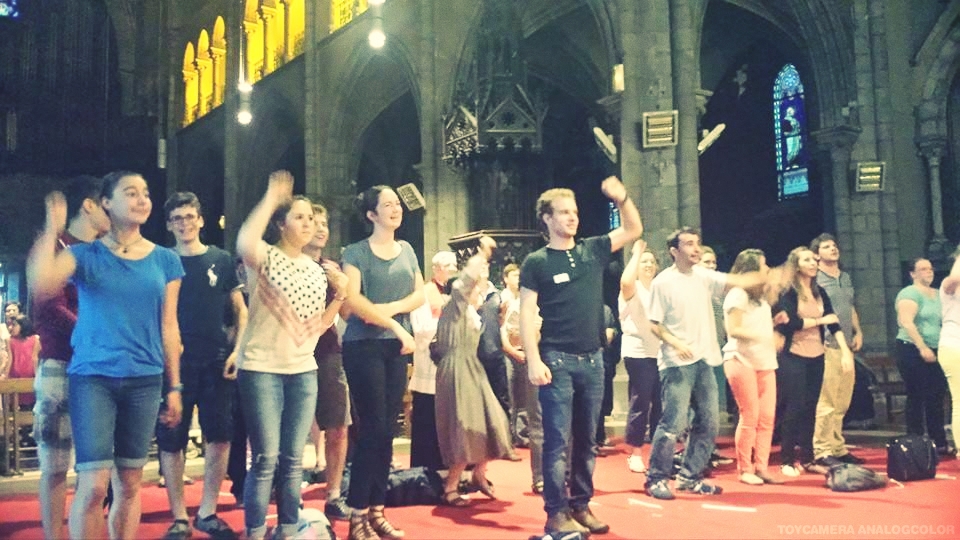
(123, 248)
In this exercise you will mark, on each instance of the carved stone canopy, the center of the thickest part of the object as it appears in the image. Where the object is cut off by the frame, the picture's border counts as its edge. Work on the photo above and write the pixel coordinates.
(494, 110)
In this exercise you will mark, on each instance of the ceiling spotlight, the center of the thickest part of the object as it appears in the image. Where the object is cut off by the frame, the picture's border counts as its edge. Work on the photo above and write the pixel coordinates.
(375, 2)
(244, 117)
(377, 38)
(245, 87)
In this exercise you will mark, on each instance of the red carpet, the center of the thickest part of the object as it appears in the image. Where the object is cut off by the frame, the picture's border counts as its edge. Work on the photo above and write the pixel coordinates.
(802, 508)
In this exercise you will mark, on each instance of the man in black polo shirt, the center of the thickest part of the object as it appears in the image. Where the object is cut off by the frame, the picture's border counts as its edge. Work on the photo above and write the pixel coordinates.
(565, 279)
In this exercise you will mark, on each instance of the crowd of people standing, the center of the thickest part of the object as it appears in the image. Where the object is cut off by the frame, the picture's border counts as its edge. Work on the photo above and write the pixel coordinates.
(493, 371)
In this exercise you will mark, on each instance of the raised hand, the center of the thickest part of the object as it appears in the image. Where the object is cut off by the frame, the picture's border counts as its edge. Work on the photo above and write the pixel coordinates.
(487, 245)
(614, 189)
(280, 186)
(56, 212)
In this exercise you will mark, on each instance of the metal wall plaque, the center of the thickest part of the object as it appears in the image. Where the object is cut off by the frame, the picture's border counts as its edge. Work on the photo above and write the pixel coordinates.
(870, 176)
(659, 129)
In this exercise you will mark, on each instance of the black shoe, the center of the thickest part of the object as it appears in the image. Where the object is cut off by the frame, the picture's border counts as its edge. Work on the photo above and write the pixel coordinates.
(851, 459)
(815, 468)
(946, 452)
(337, 510)
(829, 461)
(215, 527)
(180, 530)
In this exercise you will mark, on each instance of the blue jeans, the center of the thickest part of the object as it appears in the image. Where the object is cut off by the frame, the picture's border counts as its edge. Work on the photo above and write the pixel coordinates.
(678, 385)
(571, 407)
(112, 419)
(278, 410)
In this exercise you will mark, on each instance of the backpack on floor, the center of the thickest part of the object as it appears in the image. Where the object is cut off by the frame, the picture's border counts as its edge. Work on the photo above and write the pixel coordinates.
(314, 525)
(911, 457)
(849, 477)
(412, 487)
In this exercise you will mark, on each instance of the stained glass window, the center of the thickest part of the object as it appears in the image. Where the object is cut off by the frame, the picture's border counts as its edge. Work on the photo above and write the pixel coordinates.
(790, 132)
(8, 8)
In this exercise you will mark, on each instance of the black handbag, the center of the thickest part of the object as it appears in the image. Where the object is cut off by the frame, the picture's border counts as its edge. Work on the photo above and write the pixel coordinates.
(911, 457)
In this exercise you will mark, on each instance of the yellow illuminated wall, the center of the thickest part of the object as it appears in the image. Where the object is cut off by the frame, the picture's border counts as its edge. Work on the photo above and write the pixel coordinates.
(343, 11)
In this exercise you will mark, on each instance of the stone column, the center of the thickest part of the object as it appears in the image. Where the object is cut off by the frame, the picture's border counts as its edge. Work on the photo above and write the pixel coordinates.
(834, 146)
(203, 71)
(269, 59)
(237, 30)
(686, 83)
(933, 149)
(217, 59)
(649, 175)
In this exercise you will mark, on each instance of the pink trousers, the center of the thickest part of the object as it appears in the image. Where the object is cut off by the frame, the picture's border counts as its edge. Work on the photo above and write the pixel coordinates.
(756, 395)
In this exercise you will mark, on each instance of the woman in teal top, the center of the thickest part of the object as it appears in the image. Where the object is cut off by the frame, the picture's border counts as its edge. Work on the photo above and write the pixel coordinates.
(918, 319)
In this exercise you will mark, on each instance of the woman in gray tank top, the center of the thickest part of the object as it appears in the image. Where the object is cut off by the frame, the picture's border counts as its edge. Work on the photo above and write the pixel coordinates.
(385, 271)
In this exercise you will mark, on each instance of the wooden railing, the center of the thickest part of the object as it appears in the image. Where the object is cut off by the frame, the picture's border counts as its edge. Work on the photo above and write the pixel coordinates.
(13, 417)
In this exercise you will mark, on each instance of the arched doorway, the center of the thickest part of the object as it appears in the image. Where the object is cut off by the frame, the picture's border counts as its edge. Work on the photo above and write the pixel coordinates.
(746, 202)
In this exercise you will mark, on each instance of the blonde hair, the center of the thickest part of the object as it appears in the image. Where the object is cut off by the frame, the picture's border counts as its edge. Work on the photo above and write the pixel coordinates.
(545, 204)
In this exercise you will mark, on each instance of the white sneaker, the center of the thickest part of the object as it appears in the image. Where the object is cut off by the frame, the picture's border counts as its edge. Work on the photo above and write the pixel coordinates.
(792, 471)
(751, 479)
(635, 464)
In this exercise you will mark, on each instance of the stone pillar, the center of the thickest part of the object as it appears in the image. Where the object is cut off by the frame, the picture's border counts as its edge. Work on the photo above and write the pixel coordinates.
(444, 187)
(233, 132)
(287, 45)
(649, 175)
(834, 146)
(190, 80)
(269, 58)
(933, 149)
(218, 59)
(250, 28)
(203, 72)
(686, 83)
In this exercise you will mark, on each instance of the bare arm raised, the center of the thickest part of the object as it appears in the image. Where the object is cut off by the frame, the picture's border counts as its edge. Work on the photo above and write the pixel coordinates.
(631, 226)
(47, 270)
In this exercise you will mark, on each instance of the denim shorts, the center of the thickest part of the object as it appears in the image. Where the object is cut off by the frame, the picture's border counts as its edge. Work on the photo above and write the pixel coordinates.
(113, 419)
(51, 416)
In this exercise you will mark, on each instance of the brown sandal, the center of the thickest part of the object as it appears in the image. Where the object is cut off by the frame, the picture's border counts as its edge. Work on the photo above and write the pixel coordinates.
(384, 528)
(453, 498)
(485, 487)
(360, 529)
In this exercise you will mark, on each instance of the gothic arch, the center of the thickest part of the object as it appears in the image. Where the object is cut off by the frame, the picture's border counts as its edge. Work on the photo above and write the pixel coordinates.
(218, 52)
(345, 129)
(931, 112)
(825, 32)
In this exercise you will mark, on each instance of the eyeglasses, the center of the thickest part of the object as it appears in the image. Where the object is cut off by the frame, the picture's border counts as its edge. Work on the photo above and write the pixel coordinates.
(189, 218)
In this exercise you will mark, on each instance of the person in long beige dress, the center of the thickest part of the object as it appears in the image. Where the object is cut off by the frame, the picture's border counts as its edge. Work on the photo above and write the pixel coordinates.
(471, 426)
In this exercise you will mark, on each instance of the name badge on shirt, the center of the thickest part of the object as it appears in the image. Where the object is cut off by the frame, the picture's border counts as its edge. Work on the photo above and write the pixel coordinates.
(561, 278)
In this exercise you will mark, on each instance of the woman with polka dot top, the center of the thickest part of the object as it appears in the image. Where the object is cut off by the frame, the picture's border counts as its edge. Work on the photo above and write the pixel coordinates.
(277, 372)
(385, 271)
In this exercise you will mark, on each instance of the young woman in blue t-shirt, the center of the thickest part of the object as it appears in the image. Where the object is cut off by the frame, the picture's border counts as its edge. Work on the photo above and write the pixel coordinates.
(126, 337)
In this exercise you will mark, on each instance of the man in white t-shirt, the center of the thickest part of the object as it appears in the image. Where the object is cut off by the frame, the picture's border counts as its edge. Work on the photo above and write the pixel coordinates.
(681, 310)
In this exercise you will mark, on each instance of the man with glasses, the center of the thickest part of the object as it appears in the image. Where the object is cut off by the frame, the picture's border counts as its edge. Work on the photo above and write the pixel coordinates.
(206, 368)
